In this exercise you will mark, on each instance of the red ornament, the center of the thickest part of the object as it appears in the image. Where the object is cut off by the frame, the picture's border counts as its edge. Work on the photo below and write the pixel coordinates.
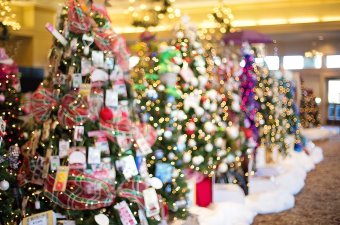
(106, 114)
(248, 133)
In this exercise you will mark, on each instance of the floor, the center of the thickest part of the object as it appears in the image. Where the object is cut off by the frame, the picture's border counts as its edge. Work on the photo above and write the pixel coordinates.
(319, 201)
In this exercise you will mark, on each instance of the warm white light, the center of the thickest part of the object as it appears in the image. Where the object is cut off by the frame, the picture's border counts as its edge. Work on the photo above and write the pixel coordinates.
(317, 100)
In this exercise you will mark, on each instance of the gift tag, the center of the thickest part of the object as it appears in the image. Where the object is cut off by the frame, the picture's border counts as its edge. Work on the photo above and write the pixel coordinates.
(128, 166)
(85, 89)
(124, 141)
(151, 202)
(68, 222)
(87, 41)
(44, 218)
(143, 169)
(61, 178)
(103, 145)
(46, 163)
(2, 127)
(98, 58)
(35, 141)
(164, 172)
(109, 63)
(77, 158)
(117, 73)
(93, 155)
(85, 66)
(186, 72)
(111, 98)
(46, 130)
(125, 213)
(96, 102)
(77, 80)
(120, 87)
(78, 133)
(143, 146)
(74, 44)
(37, 171)
(142, 218)
(64, 146)
(54, 162)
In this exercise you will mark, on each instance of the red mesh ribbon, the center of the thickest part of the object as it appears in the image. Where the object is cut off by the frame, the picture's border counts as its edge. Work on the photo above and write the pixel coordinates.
(79, 22)
(133, 190)
(83, 192)
(42, 103)
(73, 110)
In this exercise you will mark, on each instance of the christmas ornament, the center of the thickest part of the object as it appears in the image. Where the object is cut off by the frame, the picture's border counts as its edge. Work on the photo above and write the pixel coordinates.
(209, 127)
(167, 134)
(155, 182)
(218, 142)
(222, 168)
(106, 114)
(208, 147)
(199, 111)
(232, 131)
(197, 160)
(4, 185)
(186, 157)
(101, 219)
(191, 143)
(171, 156)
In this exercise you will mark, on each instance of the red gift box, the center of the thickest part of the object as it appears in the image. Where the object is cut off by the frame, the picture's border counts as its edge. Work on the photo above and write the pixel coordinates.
(204, 192)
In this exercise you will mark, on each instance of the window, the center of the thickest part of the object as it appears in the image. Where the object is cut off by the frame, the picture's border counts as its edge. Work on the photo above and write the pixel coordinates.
(273, 62)
(313, 62)
(293, 62)
(333, 61)
(334, 91)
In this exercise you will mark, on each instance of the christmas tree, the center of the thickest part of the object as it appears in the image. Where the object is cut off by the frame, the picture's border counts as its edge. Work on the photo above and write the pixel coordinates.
(11, 136)
(309, 110)
(86, 155)
(269, 116)
(203, 126)
(290, 115)
(158, 106)
(225, 71)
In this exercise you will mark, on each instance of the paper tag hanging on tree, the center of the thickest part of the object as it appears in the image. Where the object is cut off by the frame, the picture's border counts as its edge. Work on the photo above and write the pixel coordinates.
(46, 163)
(87, 41)
(98, 59)
(67, 222)
(34, 141)
(77, 158)
(74, 44)
(78, 133)
(186, 72)
(109, 63)
(77, 80)
(142, 218)
(56, 34)
(46, 130)
(111, 98)
(96, 102)
(103, 145)
(125, 213)
(85, 66)
(54, 162)
(64, 146)
(128, 166)
(93, 155)
(120, 87)
(37, 172)
(2, 127)
(143, 146)
(151, 202)
(61, 178)
(85, 89)
(44, 218)
(124, 141)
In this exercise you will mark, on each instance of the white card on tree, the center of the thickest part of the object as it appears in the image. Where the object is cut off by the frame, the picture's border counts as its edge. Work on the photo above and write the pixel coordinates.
(98, 59)
(111, 98)
(64, 145)
(93, 155)
(151, 202)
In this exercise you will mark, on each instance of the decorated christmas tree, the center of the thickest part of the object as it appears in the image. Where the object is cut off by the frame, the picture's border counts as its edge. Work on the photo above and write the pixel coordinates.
(269, 116)
(290, 116)
(227, 72)
(86, 155)
(309, 110)
(203, 126)
(158, 99)
(11, 136)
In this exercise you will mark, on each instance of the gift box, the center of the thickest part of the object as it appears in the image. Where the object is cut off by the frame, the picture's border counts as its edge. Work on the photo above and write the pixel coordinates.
(204, 192)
